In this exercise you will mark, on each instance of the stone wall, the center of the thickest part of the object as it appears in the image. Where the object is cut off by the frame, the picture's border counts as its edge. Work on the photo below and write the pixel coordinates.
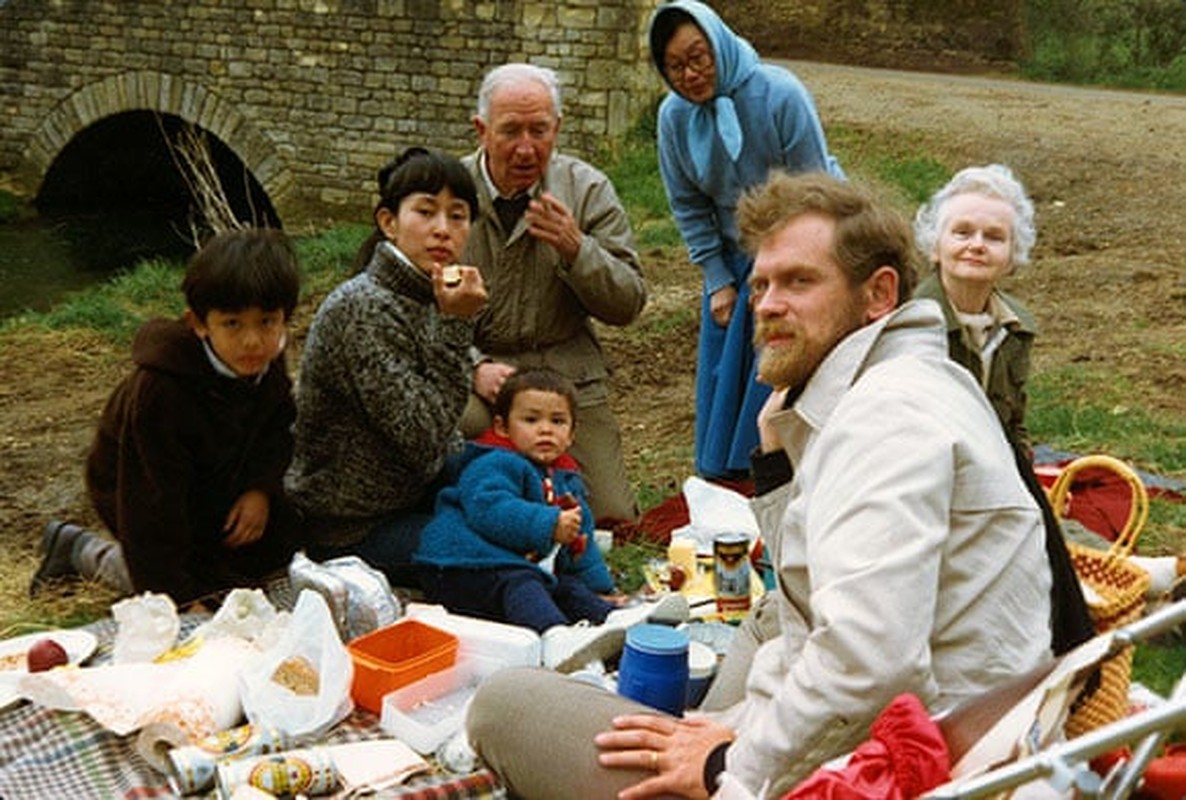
(312, 95)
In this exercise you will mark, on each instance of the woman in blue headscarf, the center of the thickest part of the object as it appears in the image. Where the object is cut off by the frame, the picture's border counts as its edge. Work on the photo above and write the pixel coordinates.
(727, 121)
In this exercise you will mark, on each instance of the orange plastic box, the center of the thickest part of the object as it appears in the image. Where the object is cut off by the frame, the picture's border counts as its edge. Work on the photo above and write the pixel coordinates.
(395, 656)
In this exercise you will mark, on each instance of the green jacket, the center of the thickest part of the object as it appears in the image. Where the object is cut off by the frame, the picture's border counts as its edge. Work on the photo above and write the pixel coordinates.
(1005, 385)
(541, 308)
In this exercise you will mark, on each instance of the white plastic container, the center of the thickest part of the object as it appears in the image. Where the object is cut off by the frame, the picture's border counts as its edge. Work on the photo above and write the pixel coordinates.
(511, 645)
(702, 666)
(425, 714)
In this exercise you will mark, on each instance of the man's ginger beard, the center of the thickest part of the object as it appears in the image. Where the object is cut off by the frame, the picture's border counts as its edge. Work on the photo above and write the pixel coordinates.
(787, 365)
(792, 362)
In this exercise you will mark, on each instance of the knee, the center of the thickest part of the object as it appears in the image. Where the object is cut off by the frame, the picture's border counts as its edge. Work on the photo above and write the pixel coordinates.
(498, 699)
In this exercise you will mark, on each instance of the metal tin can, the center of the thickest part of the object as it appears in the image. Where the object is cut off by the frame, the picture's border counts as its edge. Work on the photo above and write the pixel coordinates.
(310, 771)
(731, 573)
(193, 766)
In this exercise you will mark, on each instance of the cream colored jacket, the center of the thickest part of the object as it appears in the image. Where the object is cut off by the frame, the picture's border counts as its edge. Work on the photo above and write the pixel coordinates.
(910, 556)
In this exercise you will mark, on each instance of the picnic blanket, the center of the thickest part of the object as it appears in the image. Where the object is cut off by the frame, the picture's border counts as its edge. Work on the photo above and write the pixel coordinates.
(46, 753)
(1101, 497)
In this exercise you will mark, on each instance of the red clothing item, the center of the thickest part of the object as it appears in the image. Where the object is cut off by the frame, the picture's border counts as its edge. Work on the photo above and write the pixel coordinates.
(904, 757)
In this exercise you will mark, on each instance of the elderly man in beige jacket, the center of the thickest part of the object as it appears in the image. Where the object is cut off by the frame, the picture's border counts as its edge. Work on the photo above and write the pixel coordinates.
(556, 252)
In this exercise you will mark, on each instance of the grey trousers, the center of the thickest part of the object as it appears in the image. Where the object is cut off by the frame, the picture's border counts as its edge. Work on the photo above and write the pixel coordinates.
(598, 449)
(101, 559)
(534, 728)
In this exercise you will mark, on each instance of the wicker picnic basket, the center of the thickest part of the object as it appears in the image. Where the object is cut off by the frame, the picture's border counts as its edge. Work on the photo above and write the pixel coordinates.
(1118, 588)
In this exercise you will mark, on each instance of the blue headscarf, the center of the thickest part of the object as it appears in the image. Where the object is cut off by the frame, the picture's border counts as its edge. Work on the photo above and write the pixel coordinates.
(735, 61)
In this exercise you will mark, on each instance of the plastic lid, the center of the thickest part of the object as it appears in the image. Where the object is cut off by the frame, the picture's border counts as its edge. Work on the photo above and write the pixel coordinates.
(656, 639)
(702, 661)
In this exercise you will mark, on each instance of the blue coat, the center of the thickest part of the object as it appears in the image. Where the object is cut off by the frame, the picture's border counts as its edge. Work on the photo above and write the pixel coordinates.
(497, 515)
(761, 118)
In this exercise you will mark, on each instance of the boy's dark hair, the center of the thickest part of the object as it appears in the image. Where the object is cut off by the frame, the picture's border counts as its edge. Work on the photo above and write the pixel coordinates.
(418, 169)
(543, 380)
(255, 267)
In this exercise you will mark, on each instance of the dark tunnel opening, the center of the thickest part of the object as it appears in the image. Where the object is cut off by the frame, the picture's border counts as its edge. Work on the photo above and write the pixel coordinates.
(118, 195)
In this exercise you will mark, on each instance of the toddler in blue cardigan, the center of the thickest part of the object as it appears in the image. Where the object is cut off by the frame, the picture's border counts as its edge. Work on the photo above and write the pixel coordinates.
(510, 540)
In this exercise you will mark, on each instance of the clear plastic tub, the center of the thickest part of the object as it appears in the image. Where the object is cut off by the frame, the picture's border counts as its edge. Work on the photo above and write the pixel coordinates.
(426, 713)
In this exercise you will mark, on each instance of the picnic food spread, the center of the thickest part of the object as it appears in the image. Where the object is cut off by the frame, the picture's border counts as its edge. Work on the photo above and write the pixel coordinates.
(278, 689)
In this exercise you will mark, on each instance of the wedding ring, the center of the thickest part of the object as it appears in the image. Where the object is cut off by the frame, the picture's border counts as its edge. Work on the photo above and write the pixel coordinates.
(655, 760)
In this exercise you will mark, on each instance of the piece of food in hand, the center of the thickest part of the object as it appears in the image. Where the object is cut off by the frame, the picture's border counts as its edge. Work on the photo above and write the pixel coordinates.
(676, 577)
(451, 276)
(578, 545)
(45, 654)
(567, 501)
(297, 674)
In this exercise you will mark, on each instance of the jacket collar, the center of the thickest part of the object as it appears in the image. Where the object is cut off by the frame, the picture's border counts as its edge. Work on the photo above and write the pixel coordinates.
(394, 270)
(914, 329)
(932, 288)
(489, 438)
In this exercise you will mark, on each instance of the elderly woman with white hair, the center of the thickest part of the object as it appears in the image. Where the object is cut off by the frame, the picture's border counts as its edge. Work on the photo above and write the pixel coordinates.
(976, 230)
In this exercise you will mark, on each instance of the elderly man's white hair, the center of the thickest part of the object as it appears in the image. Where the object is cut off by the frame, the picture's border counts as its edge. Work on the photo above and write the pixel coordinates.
(994, 180)
(515, 73)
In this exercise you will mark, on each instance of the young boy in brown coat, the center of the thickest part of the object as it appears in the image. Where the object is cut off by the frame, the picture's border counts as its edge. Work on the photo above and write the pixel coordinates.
(186, 467)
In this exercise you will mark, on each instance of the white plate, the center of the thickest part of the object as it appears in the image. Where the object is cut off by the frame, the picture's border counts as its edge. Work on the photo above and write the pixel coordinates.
(78, 644)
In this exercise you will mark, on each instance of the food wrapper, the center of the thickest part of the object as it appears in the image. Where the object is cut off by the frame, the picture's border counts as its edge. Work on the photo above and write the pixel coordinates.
(195, 685)
(359, 596)
(147, 626)
(712, 510)
(191, 696)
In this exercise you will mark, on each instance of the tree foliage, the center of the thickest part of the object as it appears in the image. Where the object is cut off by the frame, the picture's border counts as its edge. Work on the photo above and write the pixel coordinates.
(1124, 42)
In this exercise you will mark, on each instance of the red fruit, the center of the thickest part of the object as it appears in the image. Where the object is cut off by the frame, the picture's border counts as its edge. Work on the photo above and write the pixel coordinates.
(676, 577)
(46, 654)
(578, 544)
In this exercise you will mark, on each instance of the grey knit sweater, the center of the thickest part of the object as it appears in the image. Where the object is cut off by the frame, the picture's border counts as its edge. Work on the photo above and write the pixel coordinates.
(383, 381)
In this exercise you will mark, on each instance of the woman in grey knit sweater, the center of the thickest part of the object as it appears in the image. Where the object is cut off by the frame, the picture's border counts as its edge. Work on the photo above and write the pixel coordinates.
(386, 372)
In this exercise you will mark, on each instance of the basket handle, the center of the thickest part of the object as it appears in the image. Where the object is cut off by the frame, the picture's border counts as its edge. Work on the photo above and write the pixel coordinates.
(1138, 512)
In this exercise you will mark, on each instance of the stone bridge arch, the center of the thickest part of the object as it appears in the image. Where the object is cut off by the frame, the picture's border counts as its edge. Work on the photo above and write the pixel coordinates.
(312, 96)
(143, 90)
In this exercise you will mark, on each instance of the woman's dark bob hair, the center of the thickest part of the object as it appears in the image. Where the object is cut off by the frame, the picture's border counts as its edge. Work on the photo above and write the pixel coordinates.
(418, 169)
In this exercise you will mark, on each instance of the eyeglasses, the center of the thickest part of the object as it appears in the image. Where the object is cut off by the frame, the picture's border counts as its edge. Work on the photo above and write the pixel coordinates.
(699, 62)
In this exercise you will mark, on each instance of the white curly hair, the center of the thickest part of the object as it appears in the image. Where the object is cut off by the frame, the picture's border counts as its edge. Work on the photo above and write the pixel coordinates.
(993, 180)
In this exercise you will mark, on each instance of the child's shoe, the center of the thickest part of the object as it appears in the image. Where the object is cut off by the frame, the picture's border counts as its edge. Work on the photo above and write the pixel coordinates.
(57, 554)
(567, 648)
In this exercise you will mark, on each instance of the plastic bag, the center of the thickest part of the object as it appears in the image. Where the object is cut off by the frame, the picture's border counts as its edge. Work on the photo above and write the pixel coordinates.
(246, 614)
(147, 626)
(301, 685)
(714, 509)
